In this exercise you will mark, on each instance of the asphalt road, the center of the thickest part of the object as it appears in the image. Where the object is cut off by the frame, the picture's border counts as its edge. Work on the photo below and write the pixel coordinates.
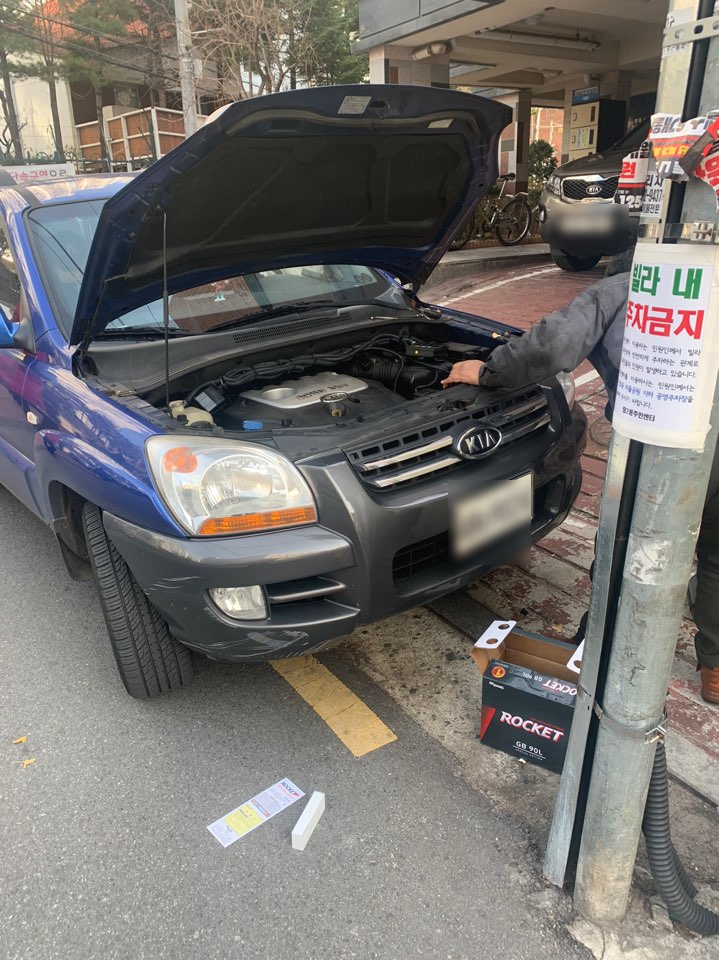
(103, 839)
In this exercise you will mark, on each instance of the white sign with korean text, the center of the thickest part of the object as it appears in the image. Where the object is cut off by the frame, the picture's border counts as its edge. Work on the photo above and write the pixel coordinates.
(40, 171)
(653, 194)
(669, 358)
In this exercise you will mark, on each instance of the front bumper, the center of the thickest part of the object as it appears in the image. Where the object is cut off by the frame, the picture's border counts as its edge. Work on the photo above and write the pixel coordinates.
(605, 229)
(372, 556)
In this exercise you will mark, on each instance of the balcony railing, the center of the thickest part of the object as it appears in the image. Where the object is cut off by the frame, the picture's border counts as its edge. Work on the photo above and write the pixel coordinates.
(134, 140)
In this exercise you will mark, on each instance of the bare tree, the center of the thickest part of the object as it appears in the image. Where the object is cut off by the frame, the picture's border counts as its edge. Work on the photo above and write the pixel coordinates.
(7, 99)
(45, 58)
(156, 19)
(256, 44)
(12, 46)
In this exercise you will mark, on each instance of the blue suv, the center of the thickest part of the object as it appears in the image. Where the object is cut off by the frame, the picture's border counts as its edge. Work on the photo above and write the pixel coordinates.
(220, 389)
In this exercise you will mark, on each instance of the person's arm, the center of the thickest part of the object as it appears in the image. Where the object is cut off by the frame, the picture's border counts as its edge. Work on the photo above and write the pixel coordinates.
(561, 341)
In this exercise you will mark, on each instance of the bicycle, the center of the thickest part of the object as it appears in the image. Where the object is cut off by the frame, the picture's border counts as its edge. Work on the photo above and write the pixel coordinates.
(510, 220)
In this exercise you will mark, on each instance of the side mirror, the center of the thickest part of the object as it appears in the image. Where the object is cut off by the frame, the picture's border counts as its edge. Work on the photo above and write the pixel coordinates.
(8, 329)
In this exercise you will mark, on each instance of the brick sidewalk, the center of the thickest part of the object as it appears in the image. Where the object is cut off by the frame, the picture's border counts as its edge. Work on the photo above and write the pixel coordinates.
(551, 593)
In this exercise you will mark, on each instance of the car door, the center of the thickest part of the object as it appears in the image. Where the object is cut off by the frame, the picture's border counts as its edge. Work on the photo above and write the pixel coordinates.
(16, 433)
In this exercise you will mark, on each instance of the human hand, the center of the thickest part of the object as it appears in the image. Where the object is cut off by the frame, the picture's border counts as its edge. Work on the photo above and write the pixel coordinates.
(466, 371)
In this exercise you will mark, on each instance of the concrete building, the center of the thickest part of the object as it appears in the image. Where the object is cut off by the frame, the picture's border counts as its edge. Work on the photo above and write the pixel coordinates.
(527, 53)
(32, 102)
(127, 90)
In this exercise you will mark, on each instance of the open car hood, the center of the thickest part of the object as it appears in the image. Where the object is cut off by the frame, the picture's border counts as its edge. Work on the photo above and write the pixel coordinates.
(375, 175)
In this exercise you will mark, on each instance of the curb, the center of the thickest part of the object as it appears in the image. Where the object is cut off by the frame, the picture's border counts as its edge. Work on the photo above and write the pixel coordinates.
(466, 263)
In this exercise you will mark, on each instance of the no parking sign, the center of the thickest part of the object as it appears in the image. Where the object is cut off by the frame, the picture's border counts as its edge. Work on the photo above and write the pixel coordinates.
(670, 354)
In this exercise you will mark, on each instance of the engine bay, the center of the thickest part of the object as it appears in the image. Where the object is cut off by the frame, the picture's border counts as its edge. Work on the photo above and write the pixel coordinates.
(317, 389)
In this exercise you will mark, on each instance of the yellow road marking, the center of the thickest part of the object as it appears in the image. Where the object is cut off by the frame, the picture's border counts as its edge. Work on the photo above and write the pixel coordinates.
(345, 714)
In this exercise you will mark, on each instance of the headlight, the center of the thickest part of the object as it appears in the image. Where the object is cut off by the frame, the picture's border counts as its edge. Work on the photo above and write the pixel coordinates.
(566, 381)
(554, 184)
(217, 487)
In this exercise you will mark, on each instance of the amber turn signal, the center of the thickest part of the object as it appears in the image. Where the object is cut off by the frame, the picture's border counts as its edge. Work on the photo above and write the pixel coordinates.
(179, 460)
(254, 522)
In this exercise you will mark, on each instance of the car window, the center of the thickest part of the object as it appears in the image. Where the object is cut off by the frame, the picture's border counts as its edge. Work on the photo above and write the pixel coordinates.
(634, 139)
(63, 235)
(9, 280)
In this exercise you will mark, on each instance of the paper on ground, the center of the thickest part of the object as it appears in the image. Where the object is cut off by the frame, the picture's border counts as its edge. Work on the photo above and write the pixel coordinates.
(254, 812)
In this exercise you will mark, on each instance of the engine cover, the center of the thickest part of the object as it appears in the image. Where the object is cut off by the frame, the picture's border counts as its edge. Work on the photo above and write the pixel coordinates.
(304, 392)
(325, 399)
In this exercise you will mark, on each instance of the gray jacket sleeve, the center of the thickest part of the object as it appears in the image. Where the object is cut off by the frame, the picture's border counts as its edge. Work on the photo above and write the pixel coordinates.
(561, 341)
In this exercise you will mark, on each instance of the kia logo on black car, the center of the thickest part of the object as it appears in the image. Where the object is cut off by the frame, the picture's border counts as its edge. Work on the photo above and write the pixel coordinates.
(593, 189)
(476, 442)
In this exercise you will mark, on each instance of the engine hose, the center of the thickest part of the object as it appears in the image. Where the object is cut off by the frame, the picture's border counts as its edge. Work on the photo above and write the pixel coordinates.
(383, 370)
(671, 879)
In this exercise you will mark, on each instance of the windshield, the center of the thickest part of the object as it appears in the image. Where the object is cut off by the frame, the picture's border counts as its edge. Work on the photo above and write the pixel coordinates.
(634, 139)
(63, 235)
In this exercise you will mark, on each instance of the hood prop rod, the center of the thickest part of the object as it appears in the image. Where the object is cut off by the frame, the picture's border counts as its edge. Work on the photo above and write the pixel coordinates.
(165, 310)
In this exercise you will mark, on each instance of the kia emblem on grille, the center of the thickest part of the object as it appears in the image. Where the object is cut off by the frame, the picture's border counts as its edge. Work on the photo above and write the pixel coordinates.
(474, 443)
(593, 189)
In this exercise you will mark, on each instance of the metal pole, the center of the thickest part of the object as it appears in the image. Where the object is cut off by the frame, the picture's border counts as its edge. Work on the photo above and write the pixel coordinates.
(560, 856)
(665, 522)
(187, 71)
(620, 484)
(667, 514)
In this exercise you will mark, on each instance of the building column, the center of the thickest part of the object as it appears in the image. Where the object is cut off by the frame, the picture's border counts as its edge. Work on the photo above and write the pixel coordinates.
(616, 85)
(567, 122)
(514, 140)
(522, 129)
(392, 64)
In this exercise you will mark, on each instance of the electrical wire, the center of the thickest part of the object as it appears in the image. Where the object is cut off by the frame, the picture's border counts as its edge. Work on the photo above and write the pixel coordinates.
(70, 47)
(31, 14)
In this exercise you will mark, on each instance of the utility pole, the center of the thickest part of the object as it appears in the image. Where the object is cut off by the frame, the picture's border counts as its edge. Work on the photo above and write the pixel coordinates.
(667, 509)
(187, 70)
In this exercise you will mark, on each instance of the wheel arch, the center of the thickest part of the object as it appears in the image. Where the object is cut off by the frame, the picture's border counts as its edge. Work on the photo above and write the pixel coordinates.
(66, 506)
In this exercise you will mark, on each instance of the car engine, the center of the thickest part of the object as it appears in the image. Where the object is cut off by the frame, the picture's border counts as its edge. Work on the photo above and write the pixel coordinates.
(307, 401)
(298, 392)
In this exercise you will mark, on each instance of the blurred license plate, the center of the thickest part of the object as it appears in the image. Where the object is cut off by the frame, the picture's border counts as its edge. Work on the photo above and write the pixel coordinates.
(600, 221)
(585, 225)
(479, 520)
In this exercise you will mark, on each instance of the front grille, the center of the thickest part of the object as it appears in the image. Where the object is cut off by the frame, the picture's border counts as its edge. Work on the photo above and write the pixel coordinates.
(576, 188)
(420, 557)
(433, 554)
(407, 458)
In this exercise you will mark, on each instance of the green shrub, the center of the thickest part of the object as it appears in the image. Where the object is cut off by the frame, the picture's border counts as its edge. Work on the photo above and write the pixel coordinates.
(542, 164)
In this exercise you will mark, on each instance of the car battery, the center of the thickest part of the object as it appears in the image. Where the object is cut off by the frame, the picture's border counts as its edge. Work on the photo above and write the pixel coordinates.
(526, 714)
(528, 696)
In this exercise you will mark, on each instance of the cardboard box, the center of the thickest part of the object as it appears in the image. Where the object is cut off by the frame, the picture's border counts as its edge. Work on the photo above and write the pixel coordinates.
(528, 699)
(530, 650)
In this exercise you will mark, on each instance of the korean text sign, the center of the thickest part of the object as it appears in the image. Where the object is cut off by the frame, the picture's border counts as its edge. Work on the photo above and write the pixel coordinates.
(669, 357)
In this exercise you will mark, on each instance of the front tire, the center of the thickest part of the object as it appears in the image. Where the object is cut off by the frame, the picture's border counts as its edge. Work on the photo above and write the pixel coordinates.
(149, 659)
(573, 264)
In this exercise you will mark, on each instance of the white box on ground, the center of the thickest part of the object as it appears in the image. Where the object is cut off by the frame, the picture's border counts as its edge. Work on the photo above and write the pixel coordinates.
(303, 829)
